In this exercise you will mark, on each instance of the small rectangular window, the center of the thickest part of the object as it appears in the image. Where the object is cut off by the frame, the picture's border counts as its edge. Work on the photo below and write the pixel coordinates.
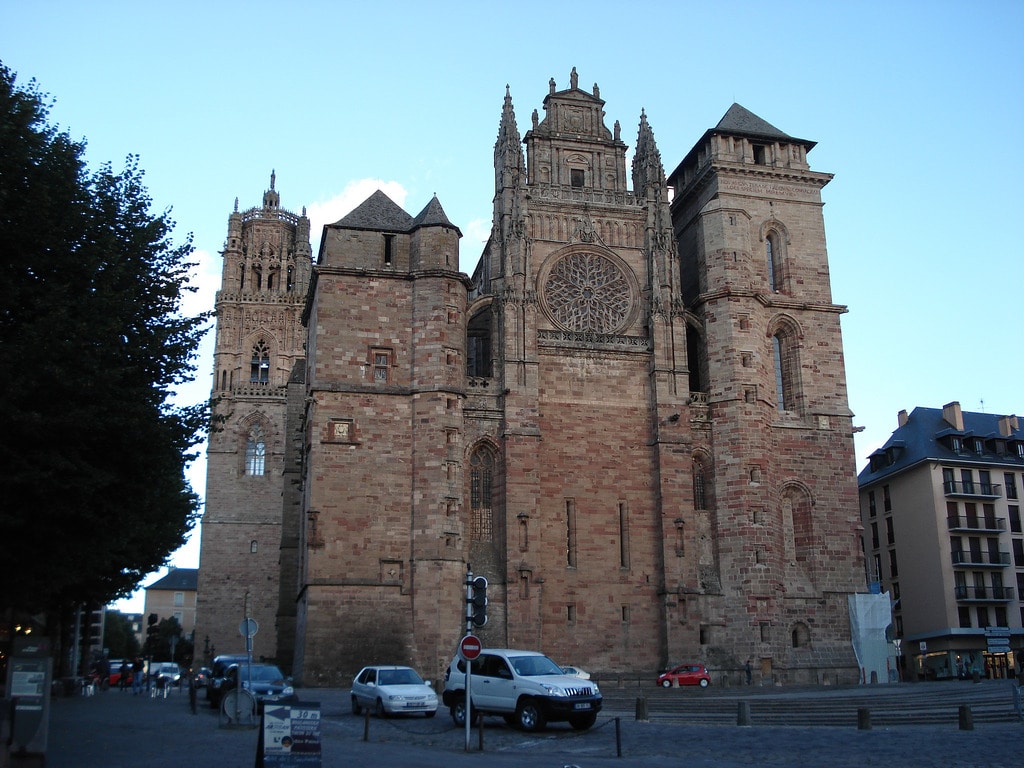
(576, 177)
(886, 499)
(380, 365)
(760, 154)
(570, 612)
(179, 599)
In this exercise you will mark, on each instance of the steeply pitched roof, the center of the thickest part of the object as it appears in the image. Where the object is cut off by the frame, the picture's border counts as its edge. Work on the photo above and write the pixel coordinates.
(739, 119)
(433, 215)
(179, 580)
(921, 439)
(377, 212)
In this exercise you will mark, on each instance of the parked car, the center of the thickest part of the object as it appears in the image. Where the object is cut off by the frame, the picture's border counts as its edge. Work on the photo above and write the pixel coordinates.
(391, 690)
(685, 674)
(266, 682)
(217, 672)
(203, 677)
(576, 672)
(525, 687)
(164, 673)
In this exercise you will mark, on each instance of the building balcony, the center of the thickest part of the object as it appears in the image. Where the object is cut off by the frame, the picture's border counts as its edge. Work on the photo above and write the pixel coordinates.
(967, 558)
(974, 523)
(972, 490)
(984, 594)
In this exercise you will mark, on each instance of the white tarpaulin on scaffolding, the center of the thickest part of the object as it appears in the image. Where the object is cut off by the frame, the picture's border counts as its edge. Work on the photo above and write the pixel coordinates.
(870, 615)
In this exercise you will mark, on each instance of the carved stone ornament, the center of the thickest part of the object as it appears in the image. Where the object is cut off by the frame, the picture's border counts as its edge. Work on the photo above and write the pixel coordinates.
(589, 292)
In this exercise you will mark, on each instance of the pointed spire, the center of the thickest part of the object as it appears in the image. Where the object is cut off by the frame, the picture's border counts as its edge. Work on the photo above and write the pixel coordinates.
(648, 171)
(273, 178)
(433, 216)
(508, 149)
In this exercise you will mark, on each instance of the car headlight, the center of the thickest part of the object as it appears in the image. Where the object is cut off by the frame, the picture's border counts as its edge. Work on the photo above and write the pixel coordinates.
(288, 690)
(396, 697)
(554, 690)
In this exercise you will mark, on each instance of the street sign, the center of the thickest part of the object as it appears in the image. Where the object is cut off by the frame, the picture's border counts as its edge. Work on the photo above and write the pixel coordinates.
(248, 628)
(470, 647)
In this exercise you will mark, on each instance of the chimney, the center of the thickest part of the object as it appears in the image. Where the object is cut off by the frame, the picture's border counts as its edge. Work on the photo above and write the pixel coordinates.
(953, 415)
(902, 418)
(1007, 425)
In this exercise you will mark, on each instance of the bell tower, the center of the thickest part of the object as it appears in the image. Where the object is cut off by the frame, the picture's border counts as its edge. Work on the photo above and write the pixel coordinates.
(259, 342)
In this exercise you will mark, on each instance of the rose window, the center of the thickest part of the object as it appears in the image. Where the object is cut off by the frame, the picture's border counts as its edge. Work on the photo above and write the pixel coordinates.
(588, 293)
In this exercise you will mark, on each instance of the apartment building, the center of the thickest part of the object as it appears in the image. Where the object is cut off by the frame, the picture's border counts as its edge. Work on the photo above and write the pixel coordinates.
(940, 505)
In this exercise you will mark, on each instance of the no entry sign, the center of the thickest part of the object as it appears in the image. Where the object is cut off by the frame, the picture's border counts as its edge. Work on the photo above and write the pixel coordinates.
(470, 647)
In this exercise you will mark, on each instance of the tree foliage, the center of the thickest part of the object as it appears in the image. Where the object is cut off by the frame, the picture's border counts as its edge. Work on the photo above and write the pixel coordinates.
(93, 341)
(118, 637)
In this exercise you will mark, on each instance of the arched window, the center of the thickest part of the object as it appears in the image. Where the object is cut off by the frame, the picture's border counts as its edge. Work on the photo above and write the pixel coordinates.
(481, 477)
(259, 368)
(786, 363)
(801, 635)
(773, 256)
(255, 452)
(699, 495)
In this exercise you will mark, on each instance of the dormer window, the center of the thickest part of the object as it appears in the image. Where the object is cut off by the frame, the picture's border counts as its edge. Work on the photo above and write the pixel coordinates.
(955, 444)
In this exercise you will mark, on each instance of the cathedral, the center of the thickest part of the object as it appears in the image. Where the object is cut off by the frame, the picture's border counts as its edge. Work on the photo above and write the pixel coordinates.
(632, 418)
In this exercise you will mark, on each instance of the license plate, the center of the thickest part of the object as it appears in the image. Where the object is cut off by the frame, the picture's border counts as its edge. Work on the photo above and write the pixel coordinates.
(582, 705)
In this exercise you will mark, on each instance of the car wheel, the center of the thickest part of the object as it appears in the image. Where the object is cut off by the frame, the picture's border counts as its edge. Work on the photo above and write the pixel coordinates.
(356, 709)
(666, 683)
(458, 712)
(529, 716)
(703, 683)
(583, 722)
(379, 710)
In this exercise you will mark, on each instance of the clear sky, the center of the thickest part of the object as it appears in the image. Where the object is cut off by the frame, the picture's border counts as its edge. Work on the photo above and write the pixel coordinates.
(917, 107)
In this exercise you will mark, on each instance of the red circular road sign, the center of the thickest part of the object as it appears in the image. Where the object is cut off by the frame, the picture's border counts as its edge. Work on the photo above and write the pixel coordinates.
(470, 647)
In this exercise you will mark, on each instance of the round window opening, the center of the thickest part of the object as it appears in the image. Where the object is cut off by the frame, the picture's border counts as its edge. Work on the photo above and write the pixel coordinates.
(588, 293)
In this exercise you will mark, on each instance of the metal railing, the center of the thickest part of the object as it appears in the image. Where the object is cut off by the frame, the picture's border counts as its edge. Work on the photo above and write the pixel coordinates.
(971, 488)
(992, 559)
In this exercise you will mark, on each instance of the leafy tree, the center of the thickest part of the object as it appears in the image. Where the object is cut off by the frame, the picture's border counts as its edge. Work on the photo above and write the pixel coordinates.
(118, 637)
(93, 341)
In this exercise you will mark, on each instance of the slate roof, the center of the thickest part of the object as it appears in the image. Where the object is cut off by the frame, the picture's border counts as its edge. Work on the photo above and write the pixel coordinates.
(178, 580)
(741, 120)
(382, 214)
(920, 440)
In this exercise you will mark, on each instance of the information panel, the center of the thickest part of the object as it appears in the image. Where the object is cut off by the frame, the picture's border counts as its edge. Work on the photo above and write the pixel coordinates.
(290, 736)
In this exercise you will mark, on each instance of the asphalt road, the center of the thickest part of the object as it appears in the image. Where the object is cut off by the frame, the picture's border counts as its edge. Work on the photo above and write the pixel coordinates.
(119, 730)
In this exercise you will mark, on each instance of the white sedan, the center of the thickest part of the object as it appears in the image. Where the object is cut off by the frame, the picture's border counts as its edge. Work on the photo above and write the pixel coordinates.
(392, 690)
(576, 672)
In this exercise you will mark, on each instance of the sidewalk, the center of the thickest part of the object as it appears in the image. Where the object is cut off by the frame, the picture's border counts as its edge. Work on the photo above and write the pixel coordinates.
(119, 730)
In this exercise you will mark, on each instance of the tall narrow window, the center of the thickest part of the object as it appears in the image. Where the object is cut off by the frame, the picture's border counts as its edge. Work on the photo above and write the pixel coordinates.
(781, 388)
(259, 366)
(481, 475)
(623, 535)
(1010, 481)
(381, 365)
(772, 259)
(291, 279)
(570, 533)
(389, 250)
(255, 453)
(699, 498)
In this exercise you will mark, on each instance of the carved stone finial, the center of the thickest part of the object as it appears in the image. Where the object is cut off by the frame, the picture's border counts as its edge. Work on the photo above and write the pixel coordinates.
(536, 118)
(597, 91)
(551, 85)
(236, 205)
(574, 79)
(618, 131)
(273, 179)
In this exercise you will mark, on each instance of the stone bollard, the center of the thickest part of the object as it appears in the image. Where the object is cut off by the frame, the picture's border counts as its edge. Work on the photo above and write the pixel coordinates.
(641, 709)
(863, 719)
(976, 676)
(743, 713)
(966, 718)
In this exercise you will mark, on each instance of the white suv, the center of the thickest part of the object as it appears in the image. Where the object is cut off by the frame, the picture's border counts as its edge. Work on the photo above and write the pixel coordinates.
(525, 687)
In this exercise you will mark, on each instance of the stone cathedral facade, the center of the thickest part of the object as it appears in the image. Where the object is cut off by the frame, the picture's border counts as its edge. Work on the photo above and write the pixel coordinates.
(632, 418)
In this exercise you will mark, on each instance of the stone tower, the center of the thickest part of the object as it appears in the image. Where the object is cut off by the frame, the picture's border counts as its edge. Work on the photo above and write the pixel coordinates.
(244, 560)
(780, 549)
(381, 569)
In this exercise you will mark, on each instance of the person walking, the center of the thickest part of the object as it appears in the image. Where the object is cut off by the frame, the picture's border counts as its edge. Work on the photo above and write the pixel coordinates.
(125, 671)
(138, 676)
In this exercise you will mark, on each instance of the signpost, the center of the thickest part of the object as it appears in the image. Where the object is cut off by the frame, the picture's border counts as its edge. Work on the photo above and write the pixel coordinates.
(290, 736)
(470, 647)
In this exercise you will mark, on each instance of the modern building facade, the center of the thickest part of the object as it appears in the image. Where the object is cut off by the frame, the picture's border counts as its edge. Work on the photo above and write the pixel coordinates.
(940, 504)
(632, 418)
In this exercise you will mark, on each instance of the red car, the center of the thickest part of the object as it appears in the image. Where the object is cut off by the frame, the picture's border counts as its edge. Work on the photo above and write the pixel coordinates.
(685, 674)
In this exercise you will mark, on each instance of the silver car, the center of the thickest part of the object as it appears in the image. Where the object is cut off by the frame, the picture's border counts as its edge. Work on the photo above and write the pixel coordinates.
(387, 690)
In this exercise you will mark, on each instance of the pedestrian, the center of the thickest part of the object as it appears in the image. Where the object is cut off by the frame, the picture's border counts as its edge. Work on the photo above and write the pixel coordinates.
(138, 678)
(749, 669)
(125, 671)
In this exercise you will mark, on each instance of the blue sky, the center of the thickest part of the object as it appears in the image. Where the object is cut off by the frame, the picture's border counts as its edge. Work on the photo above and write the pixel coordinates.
(917, 108)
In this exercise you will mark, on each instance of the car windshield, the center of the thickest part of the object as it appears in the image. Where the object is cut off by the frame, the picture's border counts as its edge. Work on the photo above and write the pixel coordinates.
(264, 674)
(531, 666)
(398, 677)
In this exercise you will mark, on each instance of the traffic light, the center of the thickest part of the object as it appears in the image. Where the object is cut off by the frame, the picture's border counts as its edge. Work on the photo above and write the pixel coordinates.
(478, 601)
(152, 629)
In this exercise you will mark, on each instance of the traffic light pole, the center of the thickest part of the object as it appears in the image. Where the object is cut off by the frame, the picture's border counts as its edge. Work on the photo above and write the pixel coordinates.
(469, 664)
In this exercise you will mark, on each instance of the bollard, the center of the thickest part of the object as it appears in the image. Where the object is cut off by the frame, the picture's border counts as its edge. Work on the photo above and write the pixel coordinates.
(743, 713)
(480, 731)
(641, 709)
(366, 725)
(976, 676)
(618, 738)
(966, 718)
(863, 719)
